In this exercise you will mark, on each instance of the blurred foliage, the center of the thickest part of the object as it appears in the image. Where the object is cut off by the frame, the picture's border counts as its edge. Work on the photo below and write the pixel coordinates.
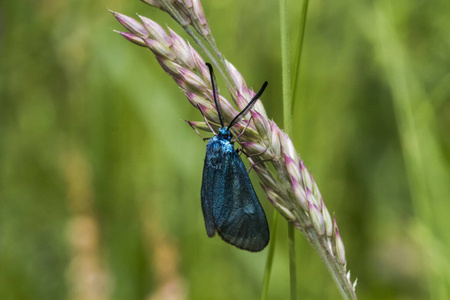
(100, 176)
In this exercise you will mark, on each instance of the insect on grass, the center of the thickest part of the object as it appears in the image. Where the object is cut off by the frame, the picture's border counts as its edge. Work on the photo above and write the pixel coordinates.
(229, 202)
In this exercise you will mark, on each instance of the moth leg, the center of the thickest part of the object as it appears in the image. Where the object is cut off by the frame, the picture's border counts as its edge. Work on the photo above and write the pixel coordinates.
(242, 132)
(252, 164)
(260, 153)
(241, 150)
(195, 129)
(259, 162)
(252, 155)
(206, 121)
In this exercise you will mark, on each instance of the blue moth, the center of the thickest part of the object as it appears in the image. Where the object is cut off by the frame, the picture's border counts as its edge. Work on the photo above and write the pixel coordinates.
(229, 203)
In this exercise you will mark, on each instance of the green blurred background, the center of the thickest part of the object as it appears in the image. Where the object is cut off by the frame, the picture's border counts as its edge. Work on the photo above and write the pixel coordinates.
(100, 176)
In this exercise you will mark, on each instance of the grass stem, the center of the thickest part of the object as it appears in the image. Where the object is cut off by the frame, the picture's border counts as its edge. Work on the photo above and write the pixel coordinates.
(269, 262)
(288, 125)
(298, 56)
(292, 261)
(286, 70)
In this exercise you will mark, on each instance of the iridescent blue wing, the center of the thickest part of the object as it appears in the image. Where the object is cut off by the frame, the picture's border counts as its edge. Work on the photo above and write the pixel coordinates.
(207, 191)
(238, 216)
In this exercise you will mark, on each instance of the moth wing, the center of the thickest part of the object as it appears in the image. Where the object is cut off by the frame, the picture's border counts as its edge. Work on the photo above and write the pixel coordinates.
(239, 217)
(207, 194)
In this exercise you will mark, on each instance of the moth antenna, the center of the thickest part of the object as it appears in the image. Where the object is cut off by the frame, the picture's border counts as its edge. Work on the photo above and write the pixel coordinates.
(249, 106)
(215, 91)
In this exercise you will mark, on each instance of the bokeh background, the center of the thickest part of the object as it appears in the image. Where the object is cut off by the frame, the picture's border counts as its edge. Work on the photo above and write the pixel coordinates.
(100, 175)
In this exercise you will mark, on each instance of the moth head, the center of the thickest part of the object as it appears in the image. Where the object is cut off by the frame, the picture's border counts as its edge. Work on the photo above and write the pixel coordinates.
(225, 133)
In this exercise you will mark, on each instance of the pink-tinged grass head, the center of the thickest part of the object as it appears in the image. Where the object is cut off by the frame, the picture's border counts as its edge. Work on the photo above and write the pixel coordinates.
(200, 65)
(310, 197)
(339, 244)
(237, 78)
(288, 215)
(292, 167)
(275, 139)
(200, 15)
(241, 100)
(249, 132)
(154, 3)
(132, 38)
(279, 203)
(265, 176)
(253, 148)
(315, 188)
(209, 112)
(269, 193)
(156, 31)
(199, 12)
(261, 124)
(197, 125)
(181, 49)
(316, 218)
(288, 148)
(327, 219)
(299, 193)
(305, 176)
(226, 109)
(259, 107)
(196, 99)
(187, 3)
(131, 24)
(192, 82)
(171, 67)
(159, 49)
